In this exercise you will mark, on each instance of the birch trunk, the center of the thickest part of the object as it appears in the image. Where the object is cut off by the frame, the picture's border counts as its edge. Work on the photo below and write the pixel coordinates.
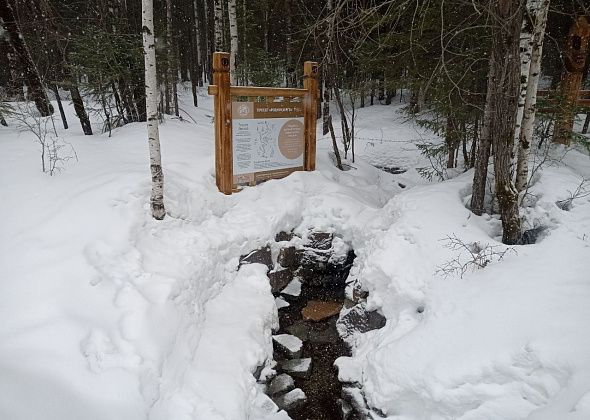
(233, 36)
(528, 119)
(218, 25)
(149, 50)
(526, 47)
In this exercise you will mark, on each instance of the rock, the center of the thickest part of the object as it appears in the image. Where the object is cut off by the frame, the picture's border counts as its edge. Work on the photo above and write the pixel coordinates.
(355, 398)
(260, 256)
(300, 368)
(289, 257)
(358, 319)
(291, 400)
(319, 240)
(289, 345)
(281, 303)
(279, 279)
(299, 329)
(346, 409)
(284, 236)
(293, 288)
(317, 310)
(282, 384)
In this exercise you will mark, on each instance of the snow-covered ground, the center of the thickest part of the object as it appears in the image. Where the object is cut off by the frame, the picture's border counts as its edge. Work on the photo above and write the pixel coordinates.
(108, 314)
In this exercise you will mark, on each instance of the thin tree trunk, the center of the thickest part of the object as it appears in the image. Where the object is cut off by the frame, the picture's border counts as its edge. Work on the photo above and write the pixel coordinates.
(530, 105)
(197, 39)
(526, 48)
(218, 25)
(172, 75)
(80, 110)
(60, 107)
(586, 124)
(503, 104)
(17, 42)
(335, 144)
(233, 36)
(149, 48)
(480, 174)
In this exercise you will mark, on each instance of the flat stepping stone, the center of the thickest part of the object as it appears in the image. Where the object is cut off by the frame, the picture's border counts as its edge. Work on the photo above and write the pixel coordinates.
(288, 344)
(291, 400)
(281, 303)
(280, 385)
(317, 310)
(293, 288)
(300, 368)
(279, 279)
(299, 329)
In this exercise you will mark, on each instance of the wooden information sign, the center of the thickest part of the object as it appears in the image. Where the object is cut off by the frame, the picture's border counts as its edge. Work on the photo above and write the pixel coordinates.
(262, 133)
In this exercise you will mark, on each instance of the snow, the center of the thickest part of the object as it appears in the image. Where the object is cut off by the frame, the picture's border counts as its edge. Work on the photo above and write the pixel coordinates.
(108, 314)
(293, 288)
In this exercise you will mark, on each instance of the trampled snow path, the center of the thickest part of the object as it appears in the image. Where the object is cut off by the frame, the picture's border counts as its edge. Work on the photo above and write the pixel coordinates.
(108, 314)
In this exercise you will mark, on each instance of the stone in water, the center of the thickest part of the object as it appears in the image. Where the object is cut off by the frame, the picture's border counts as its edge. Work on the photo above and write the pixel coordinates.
(293, 289)
(300, 368)
(281, 303)
(317, 310)
(292, 399)
(281, 385)
(288, 344)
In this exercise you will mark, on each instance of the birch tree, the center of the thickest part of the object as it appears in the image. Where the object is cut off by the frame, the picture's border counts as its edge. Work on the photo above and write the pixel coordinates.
(539, 19)
(172, 62)
(151, 93)
(233, 36)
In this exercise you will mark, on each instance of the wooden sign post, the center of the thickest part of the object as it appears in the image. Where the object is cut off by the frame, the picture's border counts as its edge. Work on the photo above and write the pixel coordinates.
(576, 51)
(262, 133)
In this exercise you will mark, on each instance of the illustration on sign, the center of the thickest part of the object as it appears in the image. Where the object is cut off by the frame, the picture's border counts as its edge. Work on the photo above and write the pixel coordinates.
(268, 140)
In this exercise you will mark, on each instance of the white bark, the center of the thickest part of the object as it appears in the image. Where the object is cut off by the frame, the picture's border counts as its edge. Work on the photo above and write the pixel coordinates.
(233, 36)
(528, 119)
(218, 25)
(526, 46)
(151, 93)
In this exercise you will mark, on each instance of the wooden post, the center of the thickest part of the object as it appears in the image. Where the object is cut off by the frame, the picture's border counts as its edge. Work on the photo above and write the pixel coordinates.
(576, 51)
(223, 123)
(310, 83)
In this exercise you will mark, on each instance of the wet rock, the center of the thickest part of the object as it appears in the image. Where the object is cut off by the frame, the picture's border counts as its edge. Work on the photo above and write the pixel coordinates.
(531, 236)
(282, 384)
(319, 240)
(317, 310)
(279, 279)
(281, 303)
(260, 256)
(299, 329)
(288, 344)
(289, 257)
(358, 319)
(291, 400)
(293, 288)
(346, 408)
(325, 335)
(284, 236)
(300, 368)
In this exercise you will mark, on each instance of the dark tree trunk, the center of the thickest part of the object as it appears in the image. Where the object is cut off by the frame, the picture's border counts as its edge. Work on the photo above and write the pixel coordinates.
(335, 144)
(586, 124)
(503, 104)
(60, 106)
(452, 139)
(17, 42)
(80, 110)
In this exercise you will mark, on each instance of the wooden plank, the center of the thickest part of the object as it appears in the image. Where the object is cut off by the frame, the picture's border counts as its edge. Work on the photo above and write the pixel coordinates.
(310, 84)
(265, 91)
(223, 140)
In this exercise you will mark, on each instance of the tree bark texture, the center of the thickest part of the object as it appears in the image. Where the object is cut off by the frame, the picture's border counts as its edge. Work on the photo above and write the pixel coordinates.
(525, 138)
(80, 110)
(233, 37)
(218, 25)
(15, 38)
(149, 50)
(172, 74)
(503, 105)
